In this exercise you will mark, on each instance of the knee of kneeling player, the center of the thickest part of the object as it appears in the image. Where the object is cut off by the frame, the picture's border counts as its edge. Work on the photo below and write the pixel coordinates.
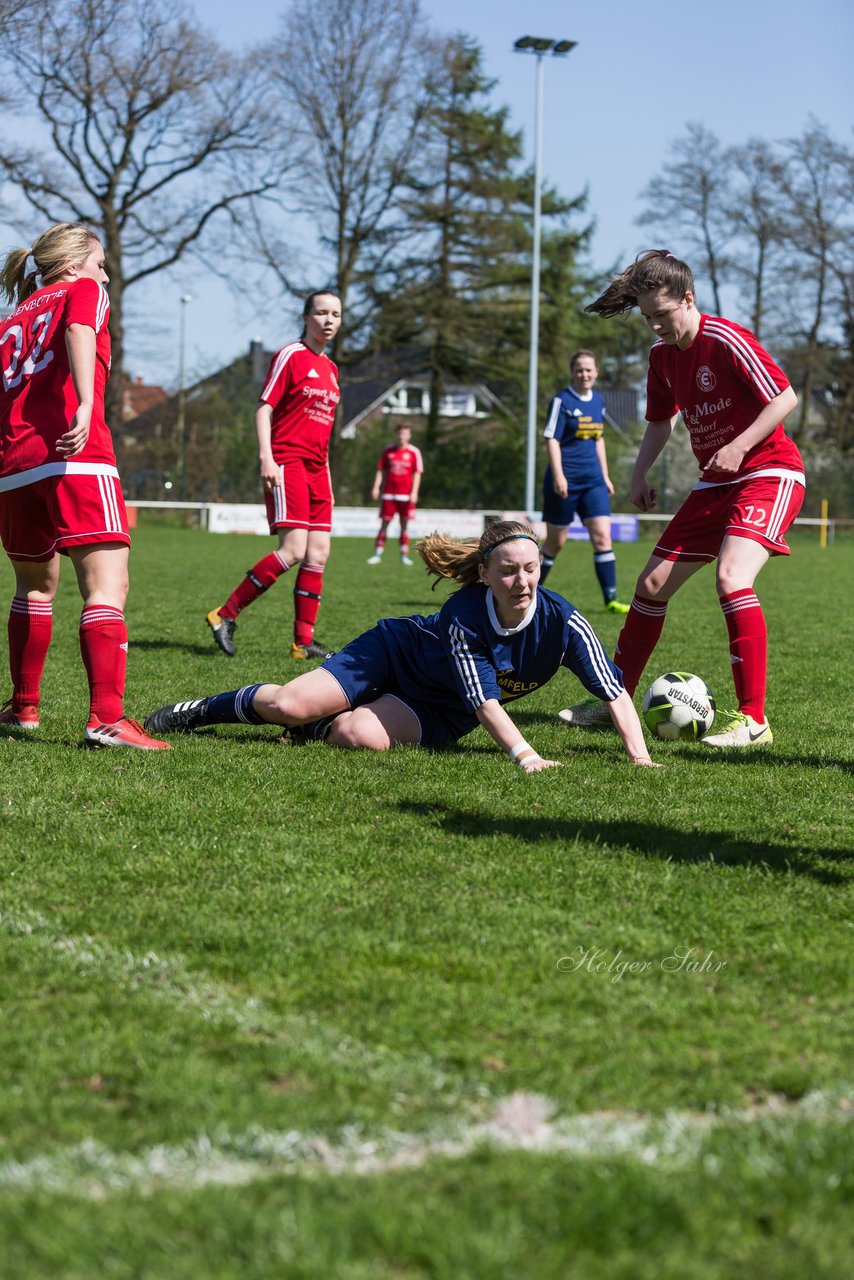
(352, 731)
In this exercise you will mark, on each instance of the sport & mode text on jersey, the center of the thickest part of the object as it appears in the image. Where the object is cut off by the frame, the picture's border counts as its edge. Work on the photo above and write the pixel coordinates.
(720, 384)
(302, 389)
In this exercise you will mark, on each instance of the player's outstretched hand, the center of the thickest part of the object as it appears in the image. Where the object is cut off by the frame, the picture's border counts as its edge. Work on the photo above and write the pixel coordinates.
(537, 763)
(646, 763)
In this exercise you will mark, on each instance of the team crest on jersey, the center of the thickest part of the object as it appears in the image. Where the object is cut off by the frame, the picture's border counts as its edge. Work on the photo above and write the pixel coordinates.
(706, 380)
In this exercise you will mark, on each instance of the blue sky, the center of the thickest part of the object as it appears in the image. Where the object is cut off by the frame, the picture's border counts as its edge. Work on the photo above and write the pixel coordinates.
(641, 71)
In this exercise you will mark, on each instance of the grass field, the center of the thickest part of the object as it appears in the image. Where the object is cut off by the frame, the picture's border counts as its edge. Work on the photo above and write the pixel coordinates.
(286, 1012)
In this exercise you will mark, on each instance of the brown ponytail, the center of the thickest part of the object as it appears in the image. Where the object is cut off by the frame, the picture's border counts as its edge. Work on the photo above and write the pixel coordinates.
(650, 271)
(447, 557)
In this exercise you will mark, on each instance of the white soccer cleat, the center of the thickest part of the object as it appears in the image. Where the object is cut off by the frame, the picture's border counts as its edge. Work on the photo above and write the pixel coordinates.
(406, 560)
(585, 715)
(743, 731)
(375, 559)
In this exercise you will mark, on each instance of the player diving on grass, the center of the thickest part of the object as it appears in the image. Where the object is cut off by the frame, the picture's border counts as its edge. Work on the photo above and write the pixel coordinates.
(428, 681)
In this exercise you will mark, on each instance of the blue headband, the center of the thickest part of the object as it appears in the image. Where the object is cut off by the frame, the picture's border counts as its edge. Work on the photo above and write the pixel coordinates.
(510, 537)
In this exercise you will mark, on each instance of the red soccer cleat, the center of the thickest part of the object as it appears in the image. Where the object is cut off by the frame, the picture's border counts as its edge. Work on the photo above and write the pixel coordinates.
(124, 733)
(26, 718)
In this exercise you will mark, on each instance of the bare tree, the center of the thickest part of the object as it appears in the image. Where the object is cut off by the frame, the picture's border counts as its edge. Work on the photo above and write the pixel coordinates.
(688, 200)
(150, 131)
(754, 209)
(354, 84)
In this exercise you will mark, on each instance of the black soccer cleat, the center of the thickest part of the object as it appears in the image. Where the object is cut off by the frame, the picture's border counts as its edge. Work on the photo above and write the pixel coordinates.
(223, 631)
(178, 717)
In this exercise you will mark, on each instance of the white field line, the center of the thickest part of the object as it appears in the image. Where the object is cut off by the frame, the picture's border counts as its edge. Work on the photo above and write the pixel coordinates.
(170, 978)
(521, 1122)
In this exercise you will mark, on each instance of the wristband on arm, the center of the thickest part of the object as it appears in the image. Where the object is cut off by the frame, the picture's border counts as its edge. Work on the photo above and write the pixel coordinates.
(523, 753)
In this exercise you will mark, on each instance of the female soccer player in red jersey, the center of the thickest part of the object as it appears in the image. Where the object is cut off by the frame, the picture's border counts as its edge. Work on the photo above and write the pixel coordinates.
(294, 422)
(733, 399)
(396, 487)
(59, 487)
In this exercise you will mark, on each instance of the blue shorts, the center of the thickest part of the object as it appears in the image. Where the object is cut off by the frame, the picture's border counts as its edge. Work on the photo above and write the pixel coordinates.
(365, 671)
(587, 500)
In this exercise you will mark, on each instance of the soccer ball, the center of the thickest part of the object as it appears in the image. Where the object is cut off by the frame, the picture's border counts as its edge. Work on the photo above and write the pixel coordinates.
(678, 705)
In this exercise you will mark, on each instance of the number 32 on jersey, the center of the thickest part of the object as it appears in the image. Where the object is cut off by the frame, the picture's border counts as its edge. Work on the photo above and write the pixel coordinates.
(13, 369)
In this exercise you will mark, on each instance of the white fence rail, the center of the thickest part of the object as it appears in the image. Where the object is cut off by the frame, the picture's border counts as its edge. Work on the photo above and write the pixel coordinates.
(362, 522)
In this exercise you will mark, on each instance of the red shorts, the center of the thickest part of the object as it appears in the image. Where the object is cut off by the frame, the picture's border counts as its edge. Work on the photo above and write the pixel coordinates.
(303, 499)
(762, 509)
(391, 507)
(71, 509)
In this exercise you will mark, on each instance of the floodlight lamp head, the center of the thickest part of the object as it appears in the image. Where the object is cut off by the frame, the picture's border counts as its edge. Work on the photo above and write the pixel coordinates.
(534, 44)
(564, 46)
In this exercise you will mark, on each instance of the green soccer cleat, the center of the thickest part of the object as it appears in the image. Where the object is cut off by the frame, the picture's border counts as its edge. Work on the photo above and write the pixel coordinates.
(617, 606)
(740, 731)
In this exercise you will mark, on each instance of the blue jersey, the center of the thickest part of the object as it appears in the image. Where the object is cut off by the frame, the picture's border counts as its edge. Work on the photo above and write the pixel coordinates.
(460, 658)
(577, 424)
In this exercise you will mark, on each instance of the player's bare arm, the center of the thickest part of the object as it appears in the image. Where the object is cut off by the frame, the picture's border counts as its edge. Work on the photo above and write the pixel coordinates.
(602, 455)
(80, 342)
(559, 480)
(377, 489)
(270, 471)
(502, 730)
(655, 438)
(628, 726)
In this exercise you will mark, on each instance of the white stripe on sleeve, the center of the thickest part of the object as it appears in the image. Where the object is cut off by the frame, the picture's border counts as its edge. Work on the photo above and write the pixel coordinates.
(598, 657)
(552, 420)
(466, 666)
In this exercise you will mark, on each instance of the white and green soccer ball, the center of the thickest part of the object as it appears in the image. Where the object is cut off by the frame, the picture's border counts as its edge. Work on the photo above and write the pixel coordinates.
(678, 705)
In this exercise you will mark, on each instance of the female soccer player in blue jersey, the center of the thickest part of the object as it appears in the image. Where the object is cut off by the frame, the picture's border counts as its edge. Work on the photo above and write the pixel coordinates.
(428, 681)
(576, 479)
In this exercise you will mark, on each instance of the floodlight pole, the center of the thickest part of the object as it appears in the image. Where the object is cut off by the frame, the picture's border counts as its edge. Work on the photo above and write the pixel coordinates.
(534, 347)
(180, 429)
(539, 46)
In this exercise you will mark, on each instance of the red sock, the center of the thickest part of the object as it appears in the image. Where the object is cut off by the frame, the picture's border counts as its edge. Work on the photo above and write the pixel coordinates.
(748, 650)
(104, 646)
(639, 636)
(404, 542)
(380, 543)
(258, 580)
(308, 592)
(30, 627)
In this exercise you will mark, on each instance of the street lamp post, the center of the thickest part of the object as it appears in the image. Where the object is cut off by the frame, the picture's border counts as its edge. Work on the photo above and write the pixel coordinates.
(180, 425)
(540, 46)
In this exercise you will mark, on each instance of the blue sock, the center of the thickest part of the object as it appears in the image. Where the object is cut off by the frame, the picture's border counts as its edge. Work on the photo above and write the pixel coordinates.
(605, 564)
(234, 707)
(546, 566)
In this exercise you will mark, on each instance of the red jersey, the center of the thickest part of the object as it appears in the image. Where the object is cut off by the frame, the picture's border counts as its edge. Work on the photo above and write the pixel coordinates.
(37, 396)
(720, 383)
(398, 465)
(302, 389)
